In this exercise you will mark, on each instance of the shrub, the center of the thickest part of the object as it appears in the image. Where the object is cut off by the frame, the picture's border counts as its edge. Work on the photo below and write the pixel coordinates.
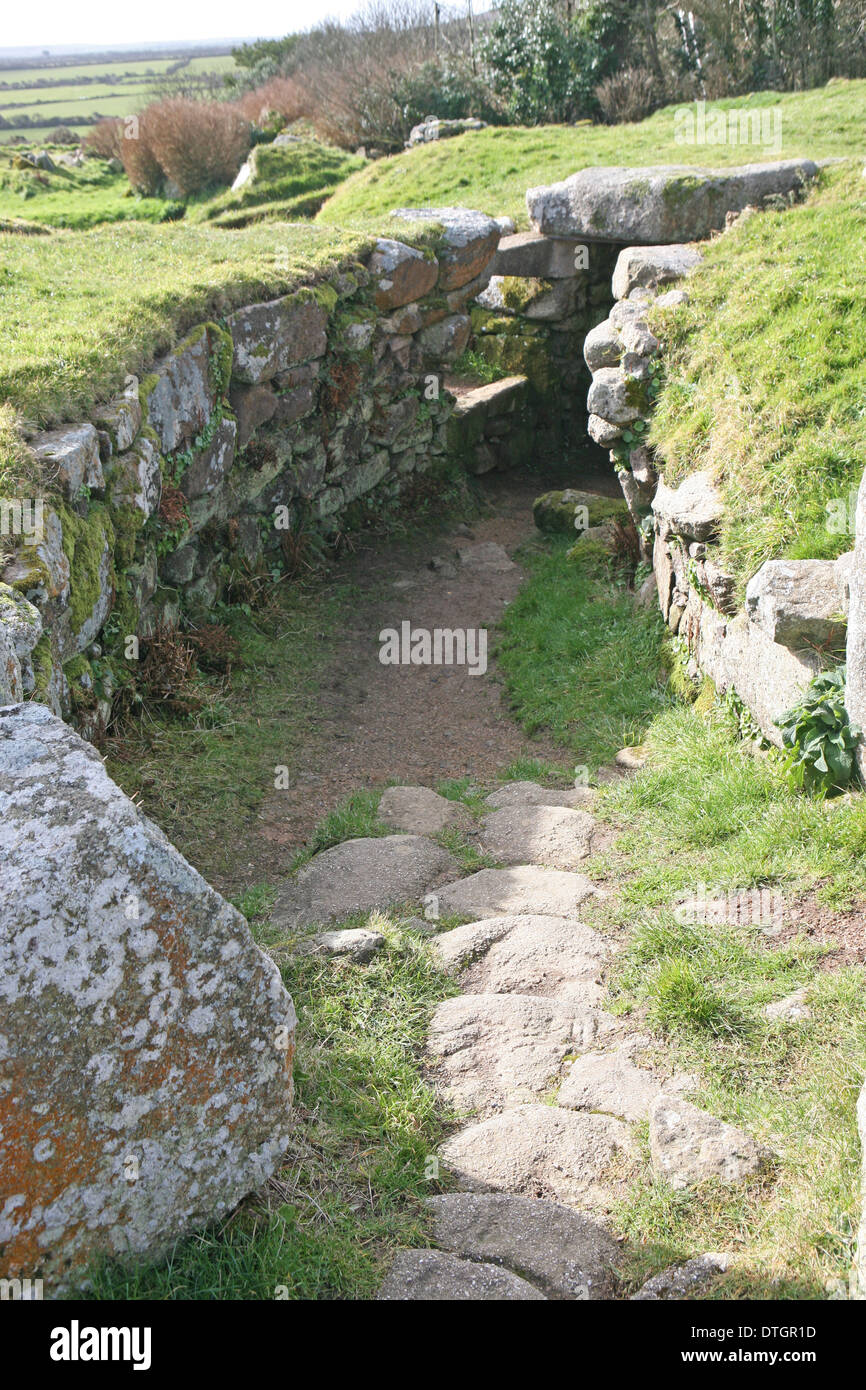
(143, 169)
(196, 144)
(282, 96)
(106, 139)
(627, 95)
(62, 135)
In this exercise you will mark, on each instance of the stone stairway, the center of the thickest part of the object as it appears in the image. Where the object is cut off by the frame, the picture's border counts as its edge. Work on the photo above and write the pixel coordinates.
(550, 1083)
(535, 1178)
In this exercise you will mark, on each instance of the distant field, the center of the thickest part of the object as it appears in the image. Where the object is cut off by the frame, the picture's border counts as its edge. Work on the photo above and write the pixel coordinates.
(73, 94)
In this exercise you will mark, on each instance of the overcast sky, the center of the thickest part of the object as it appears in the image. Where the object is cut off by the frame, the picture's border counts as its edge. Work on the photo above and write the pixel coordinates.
(101, 23)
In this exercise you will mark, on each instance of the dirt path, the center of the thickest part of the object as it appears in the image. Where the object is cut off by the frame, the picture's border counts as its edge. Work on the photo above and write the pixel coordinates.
(419, 724)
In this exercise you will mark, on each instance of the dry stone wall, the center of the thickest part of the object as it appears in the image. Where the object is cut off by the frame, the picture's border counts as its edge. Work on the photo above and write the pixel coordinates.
(768, 648)
(306, 411)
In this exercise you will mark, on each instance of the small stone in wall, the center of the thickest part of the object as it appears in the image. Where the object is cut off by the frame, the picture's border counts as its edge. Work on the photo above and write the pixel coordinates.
(693, 510)
(799, 603)
(401, 273)
(647, 267)
(470, 240)
(70, 459)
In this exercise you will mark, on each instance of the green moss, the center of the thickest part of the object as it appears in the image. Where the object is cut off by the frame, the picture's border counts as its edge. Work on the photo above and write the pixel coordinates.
(43, 669)
(221, 357)
(555, 512)
(588, 550)
(518, 355)
(707, 697)
(128, 522)
(84, 541)
(79, 675)
(518, 294)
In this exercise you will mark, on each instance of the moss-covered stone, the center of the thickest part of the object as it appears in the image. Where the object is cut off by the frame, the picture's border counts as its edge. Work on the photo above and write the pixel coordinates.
(43, 669)
(556, 511)
(84, 543)
(519, 355)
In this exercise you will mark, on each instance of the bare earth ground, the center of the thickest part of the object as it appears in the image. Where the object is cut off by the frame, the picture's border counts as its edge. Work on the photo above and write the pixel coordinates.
(414, 724)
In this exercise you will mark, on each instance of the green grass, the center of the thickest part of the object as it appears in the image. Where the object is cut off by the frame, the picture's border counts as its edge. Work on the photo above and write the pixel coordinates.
(79, 312)
(764, 376)
(578, 658)
(203, 779)
(492, 169)
(706, 812)
(75, 198)
(351, 1191)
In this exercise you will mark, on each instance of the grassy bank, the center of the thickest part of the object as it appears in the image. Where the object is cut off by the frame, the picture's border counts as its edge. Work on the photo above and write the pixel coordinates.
(79, 311)
(493, 168)
(764, 376)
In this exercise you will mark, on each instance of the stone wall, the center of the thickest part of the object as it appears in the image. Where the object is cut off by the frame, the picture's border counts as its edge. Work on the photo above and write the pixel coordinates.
(305, 412)
(768, 648)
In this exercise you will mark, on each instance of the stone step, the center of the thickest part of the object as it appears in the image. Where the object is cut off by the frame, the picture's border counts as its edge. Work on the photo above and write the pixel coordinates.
(555, 837)
(360, 875)
(531, 794)
(609, 1083)
(434, 1275)
(523, 889)
(565, 1253)
(493, 1051)
(545, 956)
(543, 1151)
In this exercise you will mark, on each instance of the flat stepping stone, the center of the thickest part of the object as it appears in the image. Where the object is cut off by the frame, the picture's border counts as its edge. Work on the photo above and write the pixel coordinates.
(565, 1253)
(420, 811)
(355, 943)
(545, 956)
(360, 875)
(485, 555)
(683, 1281)
(554, 836)
(631, 759)
(609, 1083)
(793, 1008)
(689, 1145)
(542, 1151)
(433, 1275)
(491, 1051)
(531, 794)
(524, 889)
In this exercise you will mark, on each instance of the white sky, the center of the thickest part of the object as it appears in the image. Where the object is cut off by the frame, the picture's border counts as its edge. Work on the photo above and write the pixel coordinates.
(101, 23)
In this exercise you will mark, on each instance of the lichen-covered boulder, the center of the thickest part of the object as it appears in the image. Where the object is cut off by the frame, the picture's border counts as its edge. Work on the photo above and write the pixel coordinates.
(664, 204)
(145, 1041)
